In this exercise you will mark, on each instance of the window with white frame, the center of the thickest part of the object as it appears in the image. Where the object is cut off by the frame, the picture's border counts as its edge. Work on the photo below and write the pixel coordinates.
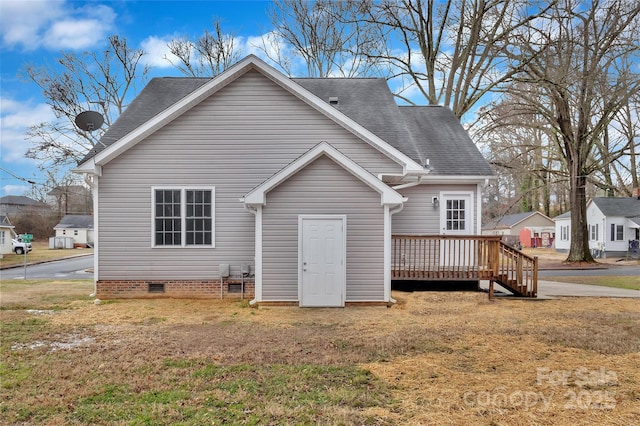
(183, 217)
(75, 232)
(2, 237)
(617, 232)
(455, 215)
(564, 233)
(594, 232)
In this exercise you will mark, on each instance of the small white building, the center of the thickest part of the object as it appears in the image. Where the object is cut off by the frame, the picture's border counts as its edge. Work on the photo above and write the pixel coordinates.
(6, 233)
(613, 224)
(78, 227)
(563, 232)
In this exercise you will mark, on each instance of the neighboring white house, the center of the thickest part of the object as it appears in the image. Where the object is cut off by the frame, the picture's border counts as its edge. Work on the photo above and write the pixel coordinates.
(563, 232)
(6, 233)
(78, 227)
(613, 225)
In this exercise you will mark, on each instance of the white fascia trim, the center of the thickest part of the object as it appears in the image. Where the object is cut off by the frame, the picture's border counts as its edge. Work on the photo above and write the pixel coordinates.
(233, 73)
(479, 210)
(96, 235)
(257, 196)
(88, 168)
(456, 179)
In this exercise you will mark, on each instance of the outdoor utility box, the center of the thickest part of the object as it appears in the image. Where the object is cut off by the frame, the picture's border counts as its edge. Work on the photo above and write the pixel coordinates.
(244, 269)
(224, 270)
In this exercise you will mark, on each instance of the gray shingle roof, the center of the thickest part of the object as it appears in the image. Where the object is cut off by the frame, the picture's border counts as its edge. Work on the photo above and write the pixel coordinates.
(563, 215)
(71, 221)
(508, 221)
(159, 94)
(20, 200)
(618, 206)
(4, 221)
(439, 136)
(421, 133)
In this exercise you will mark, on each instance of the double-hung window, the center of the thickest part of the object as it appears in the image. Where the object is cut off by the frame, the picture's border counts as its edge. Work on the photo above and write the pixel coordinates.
(183, 217)
(564, 233)
(594, 232)
(617, 232)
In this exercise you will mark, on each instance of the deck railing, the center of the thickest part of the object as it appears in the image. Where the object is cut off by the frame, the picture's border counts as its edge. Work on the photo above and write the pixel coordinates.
(475, 257)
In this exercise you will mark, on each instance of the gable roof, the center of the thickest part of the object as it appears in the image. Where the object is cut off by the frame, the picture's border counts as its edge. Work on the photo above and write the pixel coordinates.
(72, 221)
(424, 133)
(257, 196)
(565, 215)
(149, 115)
(510, 220)
(627, 207)
(5, 222)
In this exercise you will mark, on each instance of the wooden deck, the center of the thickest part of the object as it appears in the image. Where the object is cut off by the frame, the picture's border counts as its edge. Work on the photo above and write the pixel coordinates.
(459, 258)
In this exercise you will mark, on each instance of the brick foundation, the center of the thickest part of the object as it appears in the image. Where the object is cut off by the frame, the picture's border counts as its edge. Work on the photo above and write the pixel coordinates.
(188, 289)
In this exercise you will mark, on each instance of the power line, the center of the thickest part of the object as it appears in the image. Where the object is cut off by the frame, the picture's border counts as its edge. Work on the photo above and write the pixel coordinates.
(29, 181)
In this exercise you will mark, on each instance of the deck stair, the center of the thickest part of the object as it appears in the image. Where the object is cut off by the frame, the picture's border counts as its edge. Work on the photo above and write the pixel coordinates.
(460, 258)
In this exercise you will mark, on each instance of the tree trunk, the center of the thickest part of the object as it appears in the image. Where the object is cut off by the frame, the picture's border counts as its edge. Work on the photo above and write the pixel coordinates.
(579, 249)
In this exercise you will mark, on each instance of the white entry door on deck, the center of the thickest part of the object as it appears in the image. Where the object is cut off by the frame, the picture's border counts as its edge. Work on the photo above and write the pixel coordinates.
(322, 260)
(456, 218)
(456, 214)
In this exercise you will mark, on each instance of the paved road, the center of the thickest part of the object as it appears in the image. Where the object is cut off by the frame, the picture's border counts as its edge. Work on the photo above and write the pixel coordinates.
(67, 269)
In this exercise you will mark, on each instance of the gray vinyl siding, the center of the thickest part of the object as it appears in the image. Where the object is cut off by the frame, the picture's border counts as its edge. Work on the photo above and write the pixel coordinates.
(232, 141)
(323, 187)
(419, 216)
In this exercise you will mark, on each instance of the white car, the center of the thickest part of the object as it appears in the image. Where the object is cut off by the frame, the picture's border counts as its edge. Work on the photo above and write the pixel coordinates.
(19, 247)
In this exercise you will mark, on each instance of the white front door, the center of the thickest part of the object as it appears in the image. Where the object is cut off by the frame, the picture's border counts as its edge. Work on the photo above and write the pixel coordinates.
(455, 214)
(456, 219)
(322, 261)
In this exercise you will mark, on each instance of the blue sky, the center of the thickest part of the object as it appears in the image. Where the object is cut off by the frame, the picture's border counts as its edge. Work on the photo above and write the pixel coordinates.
(36, 31)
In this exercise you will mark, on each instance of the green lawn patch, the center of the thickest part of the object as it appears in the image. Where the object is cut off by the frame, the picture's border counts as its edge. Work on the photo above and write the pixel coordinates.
(618, 281)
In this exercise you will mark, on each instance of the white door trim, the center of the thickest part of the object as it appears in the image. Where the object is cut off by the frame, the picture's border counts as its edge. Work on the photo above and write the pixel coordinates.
(470, 220)
(343, 270)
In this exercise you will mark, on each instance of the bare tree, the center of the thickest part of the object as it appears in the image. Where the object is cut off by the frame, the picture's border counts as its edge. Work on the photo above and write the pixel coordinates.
(208, 55)
(102, 81)
(323, 35)
(578, 78)
(451, 52)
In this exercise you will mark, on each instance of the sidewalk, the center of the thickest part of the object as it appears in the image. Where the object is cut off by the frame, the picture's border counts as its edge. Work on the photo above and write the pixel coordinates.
(553, 289)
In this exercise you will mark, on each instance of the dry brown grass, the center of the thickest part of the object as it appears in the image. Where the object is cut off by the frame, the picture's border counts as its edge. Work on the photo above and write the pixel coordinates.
(437, 358)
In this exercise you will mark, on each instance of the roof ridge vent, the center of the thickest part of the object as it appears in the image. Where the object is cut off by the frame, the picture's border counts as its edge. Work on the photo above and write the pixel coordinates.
(333, 100)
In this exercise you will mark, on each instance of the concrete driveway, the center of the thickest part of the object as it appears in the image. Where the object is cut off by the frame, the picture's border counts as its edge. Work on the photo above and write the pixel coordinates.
(551, 289)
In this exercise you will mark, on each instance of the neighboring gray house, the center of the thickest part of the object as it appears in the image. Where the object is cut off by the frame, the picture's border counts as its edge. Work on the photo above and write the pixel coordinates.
(296, 184)
(613, 224)
(19, 204)
(78, 227)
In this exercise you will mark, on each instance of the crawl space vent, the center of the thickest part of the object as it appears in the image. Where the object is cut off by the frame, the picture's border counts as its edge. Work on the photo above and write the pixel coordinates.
(156, 287)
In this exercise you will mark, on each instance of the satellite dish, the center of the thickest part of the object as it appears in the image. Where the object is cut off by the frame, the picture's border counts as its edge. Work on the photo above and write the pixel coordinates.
(89, 120)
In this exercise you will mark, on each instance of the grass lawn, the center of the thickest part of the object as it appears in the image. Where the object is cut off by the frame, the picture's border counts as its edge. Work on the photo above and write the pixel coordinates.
(41, 252)
(627, 282)
(433, 358)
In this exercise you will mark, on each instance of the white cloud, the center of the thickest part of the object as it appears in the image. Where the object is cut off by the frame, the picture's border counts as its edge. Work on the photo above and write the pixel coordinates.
(54, 25)
(15, 189)
(156, 49)
(15, 120)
